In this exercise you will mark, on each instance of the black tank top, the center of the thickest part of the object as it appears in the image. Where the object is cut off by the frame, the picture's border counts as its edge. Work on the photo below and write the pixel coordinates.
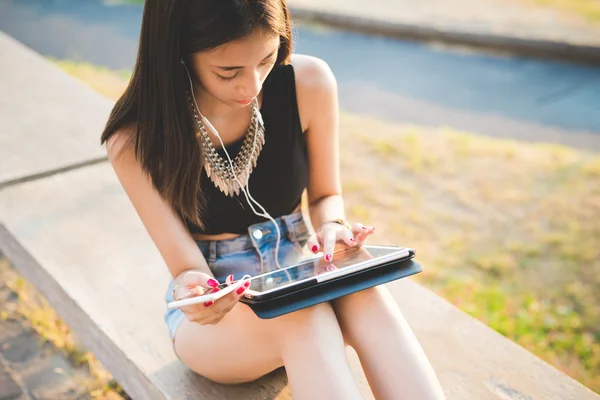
(281, 173)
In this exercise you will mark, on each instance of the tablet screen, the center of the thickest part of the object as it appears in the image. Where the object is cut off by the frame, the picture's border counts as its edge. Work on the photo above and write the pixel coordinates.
(350, 257)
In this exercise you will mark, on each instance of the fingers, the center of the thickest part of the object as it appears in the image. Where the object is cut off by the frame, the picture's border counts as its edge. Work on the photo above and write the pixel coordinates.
(187, 292)
(226, 303)
(329, 239)
(194, 308)
(361, 233)
(348, 237)
(212, 312)
(313, 244)
(328, 268)
(193, 283)
(192, 279)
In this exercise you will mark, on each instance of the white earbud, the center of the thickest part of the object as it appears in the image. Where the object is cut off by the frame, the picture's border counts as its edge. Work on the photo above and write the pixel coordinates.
(245, 188)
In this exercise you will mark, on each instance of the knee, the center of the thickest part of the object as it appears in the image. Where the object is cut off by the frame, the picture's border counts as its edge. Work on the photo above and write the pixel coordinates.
(365, 312)
(368, 302)
(307, 325)
(308, 319)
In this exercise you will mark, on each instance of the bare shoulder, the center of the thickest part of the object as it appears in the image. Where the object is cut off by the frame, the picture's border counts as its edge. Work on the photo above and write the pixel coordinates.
(120, 141)
(315, 83)
(312, 72)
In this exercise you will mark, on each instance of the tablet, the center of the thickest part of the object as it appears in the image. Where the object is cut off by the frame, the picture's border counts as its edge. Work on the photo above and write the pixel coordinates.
(333, 288)
(316, 270)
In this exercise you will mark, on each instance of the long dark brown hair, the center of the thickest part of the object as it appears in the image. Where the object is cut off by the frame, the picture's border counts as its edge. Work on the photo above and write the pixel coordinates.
(154, 102)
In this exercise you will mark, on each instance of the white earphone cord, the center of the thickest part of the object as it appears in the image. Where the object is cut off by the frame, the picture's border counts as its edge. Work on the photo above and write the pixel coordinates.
(246, 192)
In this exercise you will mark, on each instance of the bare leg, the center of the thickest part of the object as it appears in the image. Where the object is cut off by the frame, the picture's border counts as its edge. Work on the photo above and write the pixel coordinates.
(308, 343)
(394, 362)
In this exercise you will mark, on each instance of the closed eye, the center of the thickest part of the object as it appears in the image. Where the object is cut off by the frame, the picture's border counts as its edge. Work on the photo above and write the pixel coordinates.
(226, 78)
(230, 78)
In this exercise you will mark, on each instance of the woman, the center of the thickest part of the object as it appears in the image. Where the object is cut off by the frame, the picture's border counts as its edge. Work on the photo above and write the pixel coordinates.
(216, 79)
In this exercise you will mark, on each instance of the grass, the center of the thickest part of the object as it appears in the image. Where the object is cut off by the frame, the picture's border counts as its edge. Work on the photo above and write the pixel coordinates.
(507, 230)
(105, 81)
(586, 9)
(51, 329)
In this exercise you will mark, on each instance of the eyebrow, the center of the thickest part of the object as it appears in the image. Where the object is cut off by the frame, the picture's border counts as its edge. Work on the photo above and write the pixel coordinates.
(240, 67)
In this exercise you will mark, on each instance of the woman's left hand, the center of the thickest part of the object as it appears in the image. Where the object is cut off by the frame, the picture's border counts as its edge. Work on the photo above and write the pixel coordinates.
(331, 233)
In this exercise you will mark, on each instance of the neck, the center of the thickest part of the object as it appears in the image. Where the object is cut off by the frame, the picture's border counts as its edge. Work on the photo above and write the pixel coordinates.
(211, 107)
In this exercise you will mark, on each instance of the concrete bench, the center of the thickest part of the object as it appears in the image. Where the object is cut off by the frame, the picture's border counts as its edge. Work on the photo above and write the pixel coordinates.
(68, 227)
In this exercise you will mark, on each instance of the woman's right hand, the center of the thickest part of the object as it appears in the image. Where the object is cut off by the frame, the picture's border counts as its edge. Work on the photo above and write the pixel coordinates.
(192, 283)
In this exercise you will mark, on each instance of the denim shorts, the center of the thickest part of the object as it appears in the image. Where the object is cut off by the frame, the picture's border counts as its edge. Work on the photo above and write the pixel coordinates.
(249, 254)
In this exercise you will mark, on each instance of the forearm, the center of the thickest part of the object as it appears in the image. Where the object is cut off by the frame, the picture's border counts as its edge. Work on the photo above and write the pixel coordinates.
(181, 253)
(326, 209)
(199, 265)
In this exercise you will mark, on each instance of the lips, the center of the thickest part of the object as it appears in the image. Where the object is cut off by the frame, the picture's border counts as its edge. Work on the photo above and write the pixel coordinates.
(244, 102)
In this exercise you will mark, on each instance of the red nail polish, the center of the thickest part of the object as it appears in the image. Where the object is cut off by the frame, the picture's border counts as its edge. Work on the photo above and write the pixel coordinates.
(209, 303)
(315, 249)
(240, 290)
(247, 284)
(328, 258)
(212, 283)
(215, 290)
(230, 278)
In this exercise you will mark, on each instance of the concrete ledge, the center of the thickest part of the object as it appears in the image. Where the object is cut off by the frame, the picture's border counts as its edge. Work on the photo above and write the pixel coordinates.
(520, 46)
(78, 239)
(49, 122)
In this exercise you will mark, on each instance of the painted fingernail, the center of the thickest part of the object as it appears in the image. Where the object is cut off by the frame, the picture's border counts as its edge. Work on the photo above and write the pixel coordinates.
(240, 290)
(247, 284)
(315, 249)
(215, 290)
(209, 303)
(212, 283)
(328, 258)
(230, 278)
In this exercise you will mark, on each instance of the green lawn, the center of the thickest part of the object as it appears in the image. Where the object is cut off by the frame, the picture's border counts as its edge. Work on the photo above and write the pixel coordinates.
(508, 231)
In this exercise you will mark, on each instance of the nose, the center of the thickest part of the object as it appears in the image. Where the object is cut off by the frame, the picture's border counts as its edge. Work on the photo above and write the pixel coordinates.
(251, 86)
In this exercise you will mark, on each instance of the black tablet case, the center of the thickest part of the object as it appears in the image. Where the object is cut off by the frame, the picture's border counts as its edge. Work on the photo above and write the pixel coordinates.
(329, 290)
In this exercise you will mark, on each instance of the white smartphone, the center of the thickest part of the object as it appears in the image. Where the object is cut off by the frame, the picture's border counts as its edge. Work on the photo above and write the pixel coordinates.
(210, 296)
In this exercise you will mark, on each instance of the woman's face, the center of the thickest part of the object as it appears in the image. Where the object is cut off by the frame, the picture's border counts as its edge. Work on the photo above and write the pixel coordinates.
(233, 73)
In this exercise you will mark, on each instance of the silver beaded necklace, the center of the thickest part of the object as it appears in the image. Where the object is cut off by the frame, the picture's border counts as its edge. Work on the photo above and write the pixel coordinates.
(217, 168)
